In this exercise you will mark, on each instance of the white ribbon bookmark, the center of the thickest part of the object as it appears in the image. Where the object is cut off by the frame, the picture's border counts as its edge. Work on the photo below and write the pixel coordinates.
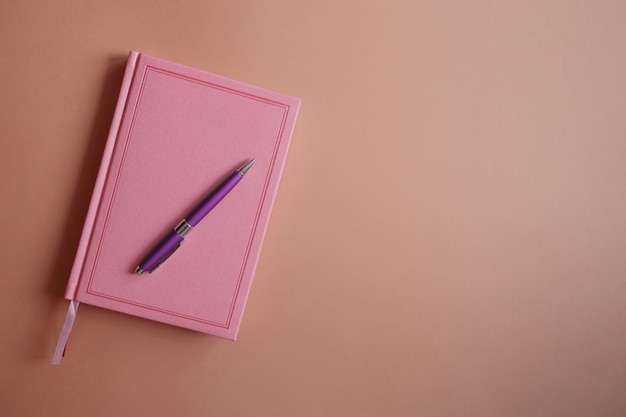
(59, 352)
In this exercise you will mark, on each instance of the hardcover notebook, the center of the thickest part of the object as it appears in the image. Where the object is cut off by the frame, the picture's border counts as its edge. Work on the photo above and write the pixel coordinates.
(177, 133)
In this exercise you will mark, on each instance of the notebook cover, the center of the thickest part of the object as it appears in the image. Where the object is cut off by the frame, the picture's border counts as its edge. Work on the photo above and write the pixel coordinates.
(177, 132)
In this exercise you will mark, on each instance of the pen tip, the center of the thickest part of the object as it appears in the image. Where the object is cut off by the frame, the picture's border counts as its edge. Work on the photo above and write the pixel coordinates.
(139, 271)
(246, 167)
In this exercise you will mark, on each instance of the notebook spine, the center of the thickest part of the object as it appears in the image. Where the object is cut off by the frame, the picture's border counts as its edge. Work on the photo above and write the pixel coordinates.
(72, 285)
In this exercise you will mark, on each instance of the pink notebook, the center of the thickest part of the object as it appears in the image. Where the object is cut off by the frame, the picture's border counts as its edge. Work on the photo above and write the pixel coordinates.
(177, 133)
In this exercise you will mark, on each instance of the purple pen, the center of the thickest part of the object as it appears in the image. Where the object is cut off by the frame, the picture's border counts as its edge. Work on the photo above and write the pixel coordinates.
(176, 237)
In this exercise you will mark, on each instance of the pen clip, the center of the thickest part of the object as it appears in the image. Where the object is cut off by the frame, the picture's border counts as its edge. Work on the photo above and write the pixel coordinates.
(165, 258)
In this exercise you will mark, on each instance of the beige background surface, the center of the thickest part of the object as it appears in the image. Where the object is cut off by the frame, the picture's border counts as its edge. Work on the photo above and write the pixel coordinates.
(448, 238)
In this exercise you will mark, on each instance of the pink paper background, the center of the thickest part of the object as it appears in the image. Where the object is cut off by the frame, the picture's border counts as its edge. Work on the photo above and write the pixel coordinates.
(447, 239)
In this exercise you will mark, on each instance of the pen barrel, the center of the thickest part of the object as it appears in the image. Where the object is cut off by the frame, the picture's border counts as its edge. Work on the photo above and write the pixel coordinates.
(162, 251)
(213, 199)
